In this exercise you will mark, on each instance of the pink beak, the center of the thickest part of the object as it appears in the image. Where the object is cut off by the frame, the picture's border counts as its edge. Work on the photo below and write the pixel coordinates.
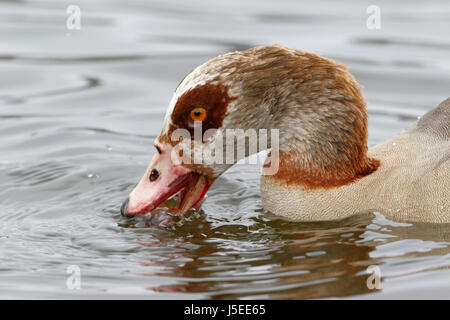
(163, 179)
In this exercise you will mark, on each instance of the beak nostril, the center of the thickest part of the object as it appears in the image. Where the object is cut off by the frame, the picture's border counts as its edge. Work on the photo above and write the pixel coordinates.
(154, 174)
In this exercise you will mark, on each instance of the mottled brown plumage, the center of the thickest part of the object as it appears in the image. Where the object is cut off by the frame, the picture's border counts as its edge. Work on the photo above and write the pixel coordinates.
(290, 90)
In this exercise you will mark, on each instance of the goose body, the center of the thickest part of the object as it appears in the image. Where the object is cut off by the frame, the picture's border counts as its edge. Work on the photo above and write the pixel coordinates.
(325, 169)
(411, 184)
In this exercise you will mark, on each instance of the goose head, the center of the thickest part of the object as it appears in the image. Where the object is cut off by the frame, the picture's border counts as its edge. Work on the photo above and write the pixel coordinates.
(314, 103)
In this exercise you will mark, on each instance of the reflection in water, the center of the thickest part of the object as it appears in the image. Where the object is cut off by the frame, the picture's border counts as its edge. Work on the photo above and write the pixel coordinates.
(278, 259)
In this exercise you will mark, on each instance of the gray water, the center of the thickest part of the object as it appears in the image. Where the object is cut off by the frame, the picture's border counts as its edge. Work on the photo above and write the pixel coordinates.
(79, 110)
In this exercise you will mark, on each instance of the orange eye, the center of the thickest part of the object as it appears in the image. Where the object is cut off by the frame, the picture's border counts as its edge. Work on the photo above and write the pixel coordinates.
(198, 114)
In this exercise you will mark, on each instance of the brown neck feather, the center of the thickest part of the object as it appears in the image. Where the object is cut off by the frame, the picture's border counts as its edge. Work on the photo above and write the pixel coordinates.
(333, 149)
(323, 128)
(292, 171)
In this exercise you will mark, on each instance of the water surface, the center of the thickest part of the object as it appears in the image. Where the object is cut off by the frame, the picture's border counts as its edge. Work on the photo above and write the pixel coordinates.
(79, 110)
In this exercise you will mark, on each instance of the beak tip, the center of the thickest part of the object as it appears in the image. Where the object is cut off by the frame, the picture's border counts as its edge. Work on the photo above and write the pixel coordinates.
(124, 208)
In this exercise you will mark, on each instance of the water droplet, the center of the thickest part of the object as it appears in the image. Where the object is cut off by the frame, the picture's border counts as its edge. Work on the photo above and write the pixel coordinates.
(346, 235)
(90, 175)
(315, 253)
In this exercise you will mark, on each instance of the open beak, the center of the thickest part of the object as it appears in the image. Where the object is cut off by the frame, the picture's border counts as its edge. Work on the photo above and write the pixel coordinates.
(163, 179)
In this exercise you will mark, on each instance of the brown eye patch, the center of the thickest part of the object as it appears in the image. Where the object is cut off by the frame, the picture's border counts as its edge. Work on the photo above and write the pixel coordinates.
(214, 99)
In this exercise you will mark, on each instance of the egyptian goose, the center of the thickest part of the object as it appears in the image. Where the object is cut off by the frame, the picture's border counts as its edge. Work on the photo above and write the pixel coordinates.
(324, 168)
